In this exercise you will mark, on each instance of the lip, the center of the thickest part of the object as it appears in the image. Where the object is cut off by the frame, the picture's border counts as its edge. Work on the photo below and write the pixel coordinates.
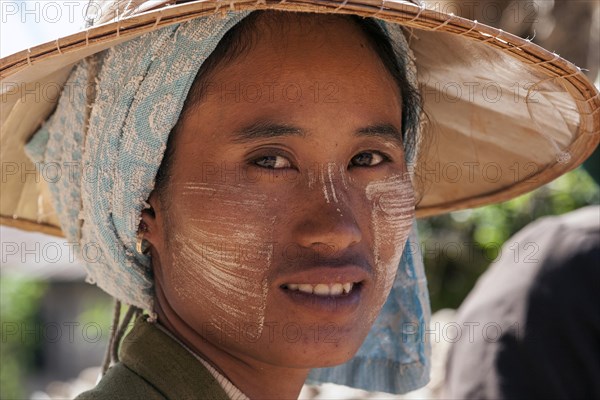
(330, 306)
(325, 274)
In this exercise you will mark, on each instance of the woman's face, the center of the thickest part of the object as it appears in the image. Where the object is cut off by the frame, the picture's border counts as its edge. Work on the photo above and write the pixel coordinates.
(288, 202)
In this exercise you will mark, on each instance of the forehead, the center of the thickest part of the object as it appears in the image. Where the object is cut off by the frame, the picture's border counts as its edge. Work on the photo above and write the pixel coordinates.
(301, 45)
(295, 67)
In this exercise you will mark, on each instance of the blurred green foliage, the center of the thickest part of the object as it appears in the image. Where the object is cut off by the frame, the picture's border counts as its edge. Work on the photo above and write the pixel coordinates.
(19, 306)
(98, 312)
(458, 247)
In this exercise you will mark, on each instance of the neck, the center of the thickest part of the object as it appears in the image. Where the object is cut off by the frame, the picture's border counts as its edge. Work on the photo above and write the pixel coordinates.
(256, 379)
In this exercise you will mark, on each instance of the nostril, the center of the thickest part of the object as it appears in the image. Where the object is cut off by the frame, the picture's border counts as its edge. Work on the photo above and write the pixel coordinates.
(323, 230)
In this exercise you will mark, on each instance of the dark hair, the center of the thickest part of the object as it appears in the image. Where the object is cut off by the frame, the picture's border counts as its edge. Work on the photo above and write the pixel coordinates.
(239, 40)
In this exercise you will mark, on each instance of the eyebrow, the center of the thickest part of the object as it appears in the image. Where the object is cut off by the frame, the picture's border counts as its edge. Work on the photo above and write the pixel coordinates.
(383, 131)
(268, 129)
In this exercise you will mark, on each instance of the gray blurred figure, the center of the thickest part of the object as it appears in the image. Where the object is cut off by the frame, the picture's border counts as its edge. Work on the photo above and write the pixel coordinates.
(534, 317)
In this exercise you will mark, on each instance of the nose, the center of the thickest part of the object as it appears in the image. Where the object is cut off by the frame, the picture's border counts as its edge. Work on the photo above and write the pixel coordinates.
(328, 227)
(327, 223)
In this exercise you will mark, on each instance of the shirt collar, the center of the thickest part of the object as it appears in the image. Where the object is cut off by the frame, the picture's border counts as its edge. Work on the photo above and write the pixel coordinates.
(166, 365)
(230, 389)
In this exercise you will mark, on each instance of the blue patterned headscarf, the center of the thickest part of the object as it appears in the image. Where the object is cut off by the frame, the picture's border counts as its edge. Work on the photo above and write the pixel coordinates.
(118, 148)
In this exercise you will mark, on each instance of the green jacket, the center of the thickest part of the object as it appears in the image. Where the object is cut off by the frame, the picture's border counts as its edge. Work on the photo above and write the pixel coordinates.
(154, 366)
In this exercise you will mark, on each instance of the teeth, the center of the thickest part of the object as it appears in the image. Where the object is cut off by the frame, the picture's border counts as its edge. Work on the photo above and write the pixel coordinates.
(305, 288)
(336, 289)
(322, 289)
(347, 287)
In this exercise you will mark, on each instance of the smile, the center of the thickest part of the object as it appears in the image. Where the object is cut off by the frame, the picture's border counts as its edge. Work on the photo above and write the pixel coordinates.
(332, 292)
(321, 289)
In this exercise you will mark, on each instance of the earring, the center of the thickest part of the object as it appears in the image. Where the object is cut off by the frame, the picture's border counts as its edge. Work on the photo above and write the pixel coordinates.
(141, 246)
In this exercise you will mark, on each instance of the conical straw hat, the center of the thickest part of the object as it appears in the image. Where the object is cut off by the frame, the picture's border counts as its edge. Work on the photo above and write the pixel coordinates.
(505, 116)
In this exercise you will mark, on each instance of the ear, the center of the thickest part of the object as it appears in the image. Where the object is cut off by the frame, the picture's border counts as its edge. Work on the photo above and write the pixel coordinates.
(151, 224)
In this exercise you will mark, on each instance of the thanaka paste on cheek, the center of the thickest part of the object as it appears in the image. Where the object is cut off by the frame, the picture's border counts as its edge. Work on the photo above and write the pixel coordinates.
(391, 204)
(392, 213)
(222, 253)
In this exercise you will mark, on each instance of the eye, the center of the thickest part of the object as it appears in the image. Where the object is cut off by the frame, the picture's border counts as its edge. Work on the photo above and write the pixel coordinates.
(273, 162)
(368, 159)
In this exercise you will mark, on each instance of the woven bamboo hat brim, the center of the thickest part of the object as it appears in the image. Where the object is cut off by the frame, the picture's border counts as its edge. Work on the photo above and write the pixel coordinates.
(505, 116)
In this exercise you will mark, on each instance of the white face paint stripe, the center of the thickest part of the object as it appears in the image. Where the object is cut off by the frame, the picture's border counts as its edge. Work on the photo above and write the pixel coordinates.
(330, 174)
(343, 175)
(311, 179)
(324, 185)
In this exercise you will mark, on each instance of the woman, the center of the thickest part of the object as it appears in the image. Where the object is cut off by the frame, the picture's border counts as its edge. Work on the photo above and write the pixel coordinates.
(272, 235)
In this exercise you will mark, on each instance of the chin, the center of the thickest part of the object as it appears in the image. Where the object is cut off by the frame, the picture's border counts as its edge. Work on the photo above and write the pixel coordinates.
(317, 361)
(306, 353)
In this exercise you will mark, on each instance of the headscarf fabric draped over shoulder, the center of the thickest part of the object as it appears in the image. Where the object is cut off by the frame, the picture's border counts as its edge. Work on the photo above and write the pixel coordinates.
(118, 140)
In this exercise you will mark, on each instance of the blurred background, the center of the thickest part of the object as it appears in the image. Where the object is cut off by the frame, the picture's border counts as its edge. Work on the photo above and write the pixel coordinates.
(54, 326)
